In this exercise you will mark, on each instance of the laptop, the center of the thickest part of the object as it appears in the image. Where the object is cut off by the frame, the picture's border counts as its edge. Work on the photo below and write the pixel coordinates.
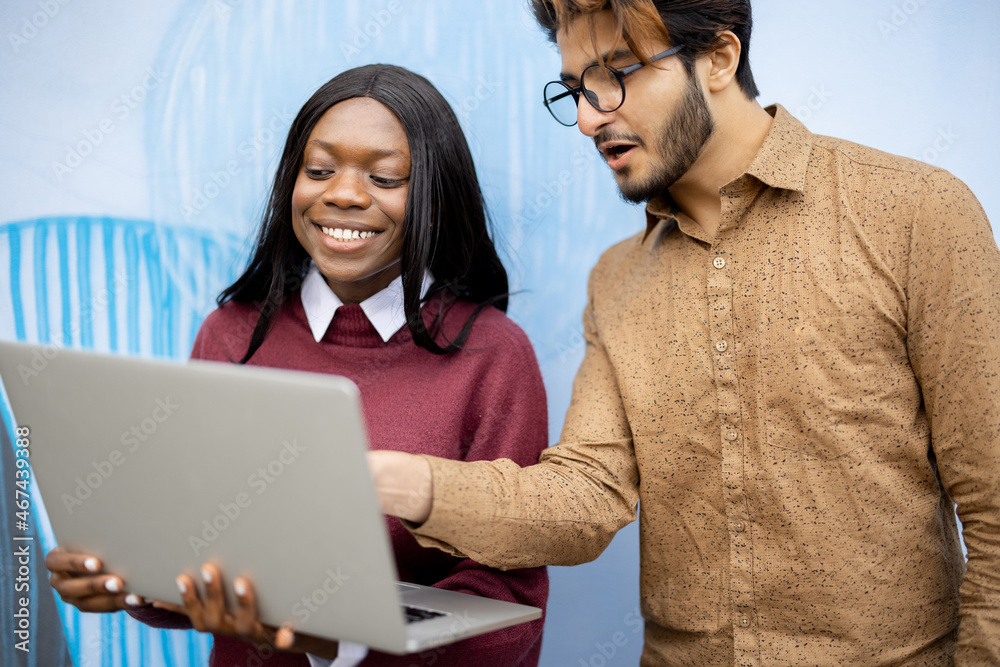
(159, 467)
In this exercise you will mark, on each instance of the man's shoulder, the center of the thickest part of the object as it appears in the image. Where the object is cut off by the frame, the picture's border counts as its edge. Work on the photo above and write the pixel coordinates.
(851, 152)
(621, 252)
(872, 178)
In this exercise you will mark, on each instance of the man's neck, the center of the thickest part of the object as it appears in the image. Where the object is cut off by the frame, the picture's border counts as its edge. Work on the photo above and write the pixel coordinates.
(739, 133)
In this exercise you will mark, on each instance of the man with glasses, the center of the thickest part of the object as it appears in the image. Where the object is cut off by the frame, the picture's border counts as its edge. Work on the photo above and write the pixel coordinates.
(795, 368)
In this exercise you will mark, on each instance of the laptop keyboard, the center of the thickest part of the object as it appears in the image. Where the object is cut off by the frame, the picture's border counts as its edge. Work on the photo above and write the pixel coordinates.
(414, 614)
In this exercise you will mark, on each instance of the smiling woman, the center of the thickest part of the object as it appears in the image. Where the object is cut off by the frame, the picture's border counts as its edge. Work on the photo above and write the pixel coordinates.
(374, 262)
(350, 197)
(406, 168)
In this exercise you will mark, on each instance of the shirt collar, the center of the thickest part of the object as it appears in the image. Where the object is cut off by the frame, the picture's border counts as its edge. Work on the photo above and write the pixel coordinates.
(780, 163)
(384, 309)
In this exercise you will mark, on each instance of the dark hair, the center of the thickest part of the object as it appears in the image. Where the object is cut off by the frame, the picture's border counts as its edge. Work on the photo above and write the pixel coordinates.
(445, 227)
(696, 24)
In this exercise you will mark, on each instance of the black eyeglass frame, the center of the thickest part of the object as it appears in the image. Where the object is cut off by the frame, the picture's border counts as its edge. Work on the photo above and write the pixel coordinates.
(620, 75)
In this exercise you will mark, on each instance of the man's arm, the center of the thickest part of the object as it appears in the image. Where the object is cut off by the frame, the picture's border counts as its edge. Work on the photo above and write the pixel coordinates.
(954, 346)
(563, 511)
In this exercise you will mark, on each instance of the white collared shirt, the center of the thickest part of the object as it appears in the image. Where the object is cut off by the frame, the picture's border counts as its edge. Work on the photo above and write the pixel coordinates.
(384, 309)
(349, 654)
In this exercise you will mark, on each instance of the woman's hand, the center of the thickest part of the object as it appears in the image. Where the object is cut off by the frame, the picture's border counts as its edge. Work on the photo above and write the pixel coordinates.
(209, 613)
(81, 581)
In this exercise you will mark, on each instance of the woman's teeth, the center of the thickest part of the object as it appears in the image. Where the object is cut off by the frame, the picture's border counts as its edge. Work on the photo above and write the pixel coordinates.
(346, 234)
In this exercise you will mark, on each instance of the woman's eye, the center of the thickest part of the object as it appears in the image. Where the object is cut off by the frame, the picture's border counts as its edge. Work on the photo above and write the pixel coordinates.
(317, 173)
(386, 182)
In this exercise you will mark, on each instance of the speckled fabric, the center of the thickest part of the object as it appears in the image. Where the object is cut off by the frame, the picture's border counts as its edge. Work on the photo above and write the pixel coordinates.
(796, 402)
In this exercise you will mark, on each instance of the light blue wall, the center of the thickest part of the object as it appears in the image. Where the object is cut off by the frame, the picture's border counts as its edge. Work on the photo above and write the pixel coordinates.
(138, 139)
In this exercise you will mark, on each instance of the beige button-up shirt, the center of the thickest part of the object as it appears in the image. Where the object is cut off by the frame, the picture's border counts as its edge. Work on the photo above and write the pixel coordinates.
(798, 403)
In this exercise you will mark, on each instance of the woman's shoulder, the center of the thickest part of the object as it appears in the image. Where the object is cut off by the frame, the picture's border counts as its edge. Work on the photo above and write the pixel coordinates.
(226, 331)
(492, 328)
(230, 313)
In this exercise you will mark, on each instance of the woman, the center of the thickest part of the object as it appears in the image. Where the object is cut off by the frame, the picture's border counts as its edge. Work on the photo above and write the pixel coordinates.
(373, 262)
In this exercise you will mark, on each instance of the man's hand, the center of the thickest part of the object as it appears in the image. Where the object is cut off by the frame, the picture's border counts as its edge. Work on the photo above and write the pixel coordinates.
(404, 484)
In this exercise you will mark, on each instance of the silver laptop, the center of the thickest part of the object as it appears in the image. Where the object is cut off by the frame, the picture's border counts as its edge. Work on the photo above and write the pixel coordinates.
(158, 467)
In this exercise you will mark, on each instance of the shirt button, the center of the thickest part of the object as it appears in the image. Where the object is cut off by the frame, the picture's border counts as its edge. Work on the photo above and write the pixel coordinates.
(744, 622)
(732, 435)
(722, 346)
(719, 263)
(739, 526)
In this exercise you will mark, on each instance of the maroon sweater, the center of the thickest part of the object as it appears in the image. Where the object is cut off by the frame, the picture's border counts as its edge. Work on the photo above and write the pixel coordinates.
(486, 401)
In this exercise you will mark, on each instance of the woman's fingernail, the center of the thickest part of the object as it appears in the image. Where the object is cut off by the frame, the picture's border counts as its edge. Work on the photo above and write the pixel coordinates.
(133, 600)
(91, 564)
(206, 575)
(112, 586)
(240, 587)
(181, 586)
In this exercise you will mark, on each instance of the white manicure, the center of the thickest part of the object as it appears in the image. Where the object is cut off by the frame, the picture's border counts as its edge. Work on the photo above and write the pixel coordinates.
(240, 587)
(112, 586)
(91, 564)
(206, 575)
(133, 600)
(181, 586)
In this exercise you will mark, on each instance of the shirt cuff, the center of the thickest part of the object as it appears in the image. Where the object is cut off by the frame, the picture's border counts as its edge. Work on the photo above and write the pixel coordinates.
(463, 503)
(349, 654)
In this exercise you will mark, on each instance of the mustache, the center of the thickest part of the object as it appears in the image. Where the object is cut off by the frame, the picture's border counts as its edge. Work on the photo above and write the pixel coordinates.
(607, 135)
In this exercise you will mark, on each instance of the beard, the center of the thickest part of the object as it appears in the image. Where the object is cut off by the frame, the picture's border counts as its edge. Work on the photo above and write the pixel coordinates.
(677, 145)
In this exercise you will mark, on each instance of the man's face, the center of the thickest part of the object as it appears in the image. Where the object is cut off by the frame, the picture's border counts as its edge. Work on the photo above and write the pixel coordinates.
(654, 138)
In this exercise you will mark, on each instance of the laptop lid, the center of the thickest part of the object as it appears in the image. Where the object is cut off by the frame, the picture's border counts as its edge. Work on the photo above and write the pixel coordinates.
(159, 467)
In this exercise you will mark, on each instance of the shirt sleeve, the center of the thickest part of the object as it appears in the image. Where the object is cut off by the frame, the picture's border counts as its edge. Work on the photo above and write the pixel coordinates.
(511, 424)
(160, 618)
(563, 511)
(954, 346)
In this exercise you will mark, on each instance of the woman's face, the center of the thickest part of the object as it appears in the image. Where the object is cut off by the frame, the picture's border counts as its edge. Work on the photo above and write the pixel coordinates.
(350, 197)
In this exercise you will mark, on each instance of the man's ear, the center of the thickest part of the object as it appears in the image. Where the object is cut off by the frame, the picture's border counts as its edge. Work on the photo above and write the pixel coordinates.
(723, 62)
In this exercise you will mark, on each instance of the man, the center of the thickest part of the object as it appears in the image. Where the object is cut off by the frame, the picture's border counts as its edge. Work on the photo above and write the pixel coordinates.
(795, 368)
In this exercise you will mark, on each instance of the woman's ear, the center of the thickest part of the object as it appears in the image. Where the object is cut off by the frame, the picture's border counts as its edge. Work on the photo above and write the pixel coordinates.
(723, 62)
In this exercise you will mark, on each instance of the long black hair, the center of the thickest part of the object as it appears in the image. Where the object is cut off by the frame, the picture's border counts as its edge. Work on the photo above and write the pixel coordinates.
(445, 227)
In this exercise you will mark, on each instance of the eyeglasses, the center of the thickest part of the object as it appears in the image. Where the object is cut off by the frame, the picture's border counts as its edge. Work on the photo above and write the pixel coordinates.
(603, 86)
